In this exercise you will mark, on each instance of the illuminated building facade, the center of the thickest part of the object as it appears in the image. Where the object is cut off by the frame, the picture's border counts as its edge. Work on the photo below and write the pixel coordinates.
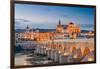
(70, 29)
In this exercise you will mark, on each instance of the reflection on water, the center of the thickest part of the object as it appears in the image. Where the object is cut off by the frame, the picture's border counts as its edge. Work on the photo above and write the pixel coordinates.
(28, 57)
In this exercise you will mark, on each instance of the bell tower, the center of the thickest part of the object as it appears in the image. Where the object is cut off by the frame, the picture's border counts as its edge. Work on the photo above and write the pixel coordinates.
(59, 22)
(27, 28)
(59, 28)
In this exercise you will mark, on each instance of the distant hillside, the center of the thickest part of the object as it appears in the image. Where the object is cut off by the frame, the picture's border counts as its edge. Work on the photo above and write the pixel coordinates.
(46, 30)
(83, 31)
(20, 30)
(40, 30)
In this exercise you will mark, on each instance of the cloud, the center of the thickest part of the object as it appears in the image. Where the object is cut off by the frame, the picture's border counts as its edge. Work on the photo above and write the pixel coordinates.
(37, 23)
(22, 20)
(21, 23)
(37, 20)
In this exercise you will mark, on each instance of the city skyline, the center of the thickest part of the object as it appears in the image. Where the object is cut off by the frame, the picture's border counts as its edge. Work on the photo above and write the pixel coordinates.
(47, 17)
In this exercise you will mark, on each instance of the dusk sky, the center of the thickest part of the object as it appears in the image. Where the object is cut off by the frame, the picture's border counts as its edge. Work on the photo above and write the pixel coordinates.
(47, 17)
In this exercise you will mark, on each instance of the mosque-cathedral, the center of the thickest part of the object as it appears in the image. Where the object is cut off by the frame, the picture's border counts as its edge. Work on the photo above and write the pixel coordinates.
(71, 30)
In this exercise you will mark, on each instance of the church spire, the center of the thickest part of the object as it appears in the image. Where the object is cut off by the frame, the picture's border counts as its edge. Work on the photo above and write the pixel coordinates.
(59, 22)
(27, 27)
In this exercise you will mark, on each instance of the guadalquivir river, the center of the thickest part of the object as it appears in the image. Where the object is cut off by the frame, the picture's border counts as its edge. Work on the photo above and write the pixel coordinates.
(28, 57)
(23, 57)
